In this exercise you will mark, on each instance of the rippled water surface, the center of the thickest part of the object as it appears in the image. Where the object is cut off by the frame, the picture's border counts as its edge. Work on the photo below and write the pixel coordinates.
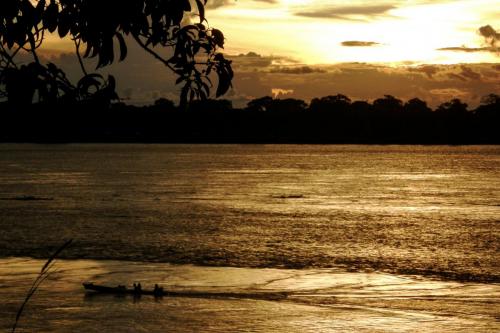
(317, 300)
(399, 209)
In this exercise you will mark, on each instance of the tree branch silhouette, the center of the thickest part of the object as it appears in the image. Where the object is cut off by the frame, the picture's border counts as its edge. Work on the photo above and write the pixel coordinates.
(79, 56)
(99, 26)
(152, 52)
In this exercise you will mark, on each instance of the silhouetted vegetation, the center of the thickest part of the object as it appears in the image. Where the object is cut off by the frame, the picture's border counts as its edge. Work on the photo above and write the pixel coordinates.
(38, 102)
(41, 277)
(101, 27)
(331, 119)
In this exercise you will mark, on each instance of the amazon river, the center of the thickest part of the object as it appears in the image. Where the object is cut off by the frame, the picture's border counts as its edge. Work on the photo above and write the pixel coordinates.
(360, 238)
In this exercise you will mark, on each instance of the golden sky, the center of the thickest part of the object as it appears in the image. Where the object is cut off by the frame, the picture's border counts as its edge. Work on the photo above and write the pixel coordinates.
(431, 49)
(334, 31)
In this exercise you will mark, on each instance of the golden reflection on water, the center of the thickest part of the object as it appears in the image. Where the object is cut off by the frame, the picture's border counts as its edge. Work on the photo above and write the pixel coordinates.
(431, 211)
(412, 209)
(319, 300)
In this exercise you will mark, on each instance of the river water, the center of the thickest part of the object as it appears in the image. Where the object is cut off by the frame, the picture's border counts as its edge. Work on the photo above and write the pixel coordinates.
(333, 221)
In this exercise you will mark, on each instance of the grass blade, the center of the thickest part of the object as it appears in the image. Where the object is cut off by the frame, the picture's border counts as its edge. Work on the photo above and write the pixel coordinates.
(53, 256)
(44, 274)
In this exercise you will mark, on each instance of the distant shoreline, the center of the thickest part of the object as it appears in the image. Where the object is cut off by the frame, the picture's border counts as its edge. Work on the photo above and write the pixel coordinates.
(239, 143)
(219, 123)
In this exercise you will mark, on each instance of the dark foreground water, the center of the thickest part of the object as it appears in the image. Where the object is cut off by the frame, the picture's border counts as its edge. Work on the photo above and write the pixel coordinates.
(219, 299)
(360, 238)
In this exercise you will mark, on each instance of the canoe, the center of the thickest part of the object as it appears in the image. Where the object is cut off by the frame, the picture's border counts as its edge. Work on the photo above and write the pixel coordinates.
(122, 290)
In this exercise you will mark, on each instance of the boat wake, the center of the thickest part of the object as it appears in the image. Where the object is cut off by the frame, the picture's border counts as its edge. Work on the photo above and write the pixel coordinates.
(217, 299)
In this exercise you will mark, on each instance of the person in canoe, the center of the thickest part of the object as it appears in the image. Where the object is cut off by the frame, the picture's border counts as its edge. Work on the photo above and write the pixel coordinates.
(158, 291)
(137, 288)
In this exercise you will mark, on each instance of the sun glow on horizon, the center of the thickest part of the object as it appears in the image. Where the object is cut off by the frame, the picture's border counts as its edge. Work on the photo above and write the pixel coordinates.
(313, 31)
(409, 33)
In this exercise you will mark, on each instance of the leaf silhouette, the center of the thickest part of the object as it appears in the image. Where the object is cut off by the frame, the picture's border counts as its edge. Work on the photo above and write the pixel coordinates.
(218, 37)
(94, 26)
(123, 46)
(50, 17)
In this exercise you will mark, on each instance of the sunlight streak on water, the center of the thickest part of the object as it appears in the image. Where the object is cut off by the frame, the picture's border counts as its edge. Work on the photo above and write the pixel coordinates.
(401, 209)
(319, 300)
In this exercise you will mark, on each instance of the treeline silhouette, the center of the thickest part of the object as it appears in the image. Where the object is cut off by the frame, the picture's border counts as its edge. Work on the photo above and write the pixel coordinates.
(330, 119)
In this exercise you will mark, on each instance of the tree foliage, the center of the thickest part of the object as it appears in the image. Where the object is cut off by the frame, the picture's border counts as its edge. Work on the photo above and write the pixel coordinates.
(103, 30)
(455, 106)
(333, 119)
(416, 105)
(338, 102)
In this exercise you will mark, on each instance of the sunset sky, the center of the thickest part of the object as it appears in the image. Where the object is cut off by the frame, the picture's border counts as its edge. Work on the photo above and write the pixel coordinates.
(333, 31)
(432, 49)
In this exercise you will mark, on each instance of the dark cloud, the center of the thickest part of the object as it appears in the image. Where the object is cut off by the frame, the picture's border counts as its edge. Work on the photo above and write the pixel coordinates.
(359, 43)
(141, 79)
(466, 49)
(433, 83)
(297, 70)
(214, 4)
(489, 74)
(490, 34)
(455, 76)
(453, 72)
(467, 72)
(346, 12)
(428, 70)
(363, 9)
(254, 61)
(492, 37)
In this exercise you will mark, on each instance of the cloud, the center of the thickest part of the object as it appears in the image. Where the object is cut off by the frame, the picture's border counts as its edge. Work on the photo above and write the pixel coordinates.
(456, 76)
(297, 70)
(453, 72)
(446, 92)
(354, 43)
(142, 79)
(467, 72)
(492, 38)
(490, 34)
(278, 92)
(254, 61)
(362, 81)
(214, 4)
(346, 12)
(467, 49)
(428, 70)
(363, 9)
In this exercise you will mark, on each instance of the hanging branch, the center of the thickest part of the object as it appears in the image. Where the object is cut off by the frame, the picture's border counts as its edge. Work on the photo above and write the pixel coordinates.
(103, 30)
(153, 53)
(33, 47)
(80, 60)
